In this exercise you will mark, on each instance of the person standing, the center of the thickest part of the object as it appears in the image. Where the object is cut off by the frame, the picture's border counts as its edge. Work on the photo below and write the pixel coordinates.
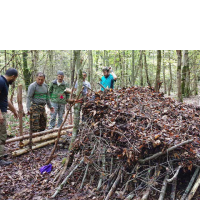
(37, 98)
(10, 76)
(86, 85)
(108, 78)
(58, 99)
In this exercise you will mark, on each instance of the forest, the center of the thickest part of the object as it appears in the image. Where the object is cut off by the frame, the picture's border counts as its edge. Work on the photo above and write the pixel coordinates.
(137, 140)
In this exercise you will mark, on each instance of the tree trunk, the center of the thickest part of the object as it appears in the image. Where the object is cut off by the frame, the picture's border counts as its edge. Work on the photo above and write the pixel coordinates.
(146, 69)
(26, 70)
(157, 83)
(13, 84)
(170, 73)
(164, 81)
(179, 75)
(133, 67)
(73, 63)
(5, 59)
(90, 61)
(50, 52)
(77, 107)
(141, 69)
(185, 75)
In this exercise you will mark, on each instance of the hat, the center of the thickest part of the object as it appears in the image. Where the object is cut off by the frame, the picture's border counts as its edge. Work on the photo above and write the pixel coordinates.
(60, 73)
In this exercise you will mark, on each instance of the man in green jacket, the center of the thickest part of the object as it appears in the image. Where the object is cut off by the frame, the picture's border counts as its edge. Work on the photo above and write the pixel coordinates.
(58, 99)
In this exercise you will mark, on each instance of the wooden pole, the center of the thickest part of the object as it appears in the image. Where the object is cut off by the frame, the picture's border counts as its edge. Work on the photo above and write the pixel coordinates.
(20, 111)
(36, 134)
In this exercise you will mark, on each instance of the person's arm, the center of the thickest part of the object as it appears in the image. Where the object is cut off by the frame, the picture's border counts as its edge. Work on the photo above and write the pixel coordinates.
(113, 74)
(89, 91)
(12, 109)
(1, 118)
(30, 95)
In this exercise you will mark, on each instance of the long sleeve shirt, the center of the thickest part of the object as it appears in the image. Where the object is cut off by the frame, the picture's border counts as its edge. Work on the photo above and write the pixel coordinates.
(38, 94)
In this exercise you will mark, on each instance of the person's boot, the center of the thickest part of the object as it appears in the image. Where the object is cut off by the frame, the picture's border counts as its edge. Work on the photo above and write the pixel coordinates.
(4, 163)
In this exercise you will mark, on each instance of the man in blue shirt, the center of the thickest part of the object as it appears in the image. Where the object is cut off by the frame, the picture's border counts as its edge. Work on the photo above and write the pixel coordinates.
(10, 76)
(108, 79)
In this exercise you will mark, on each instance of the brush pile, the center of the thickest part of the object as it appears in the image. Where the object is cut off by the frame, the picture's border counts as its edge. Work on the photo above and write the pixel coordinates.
(134, 143)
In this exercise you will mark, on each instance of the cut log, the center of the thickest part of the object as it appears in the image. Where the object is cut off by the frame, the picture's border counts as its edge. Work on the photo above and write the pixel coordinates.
(36, 134)
(43, 138)
(26, 150)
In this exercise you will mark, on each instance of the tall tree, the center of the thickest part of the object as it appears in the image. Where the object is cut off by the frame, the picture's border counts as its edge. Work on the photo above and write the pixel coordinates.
(185, 75)
(77, 106)
(26, 69)
(72, 64)
(157, 83)
(141, 69)
(170, 73)
(133, 67)
(164, 81)
(146, 69)
(179, 54)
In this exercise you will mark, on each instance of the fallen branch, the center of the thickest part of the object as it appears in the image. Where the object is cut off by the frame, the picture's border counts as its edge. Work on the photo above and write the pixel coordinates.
(114, 187)
(173, 193)
(175, 175)
(167, 151)
(164, 187)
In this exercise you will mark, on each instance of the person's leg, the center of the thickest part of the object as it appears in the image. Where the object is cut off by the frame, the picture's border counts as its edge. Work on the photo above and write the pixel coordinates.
(43, 119)
(34, 119)
(61, 112)
(3, 137)
(53, 116)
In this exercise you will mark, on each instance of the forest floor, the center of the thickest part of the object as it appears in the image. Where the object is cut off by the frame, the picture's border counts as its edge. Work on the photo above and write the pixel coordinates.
(23, 180)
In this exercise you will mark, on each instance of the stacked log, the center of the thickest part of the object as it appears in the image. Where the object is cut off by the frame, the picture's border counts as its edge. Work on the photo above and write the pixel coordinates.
(136, 144)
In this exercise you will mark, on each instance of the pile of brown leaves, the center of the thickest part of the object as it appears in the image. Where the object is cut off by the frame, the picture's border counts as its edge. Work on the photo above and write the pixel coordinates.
(141, 133)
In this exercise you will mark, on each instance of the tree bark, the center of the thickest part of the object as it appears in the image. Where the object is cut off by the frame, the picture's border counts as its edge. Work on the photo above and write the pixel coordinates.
(90, 61)
(141, 70)
(164, 81)
(179, 75)
(73, 64)
(146, 69)
(133, 67)
(170, 73)
(77, 107)
(26, 70)
(157, 83)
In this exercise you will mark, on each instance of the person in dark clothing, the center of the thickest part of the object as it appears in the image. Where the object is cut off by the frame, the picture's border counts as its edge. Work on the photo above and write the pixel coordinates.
(6, 80)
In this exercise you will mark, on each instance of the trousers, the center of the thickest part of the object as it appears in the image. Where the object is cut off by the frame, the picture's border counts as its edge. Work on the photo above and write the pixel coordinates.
(59, 110)
(38, 118)
(3, 134)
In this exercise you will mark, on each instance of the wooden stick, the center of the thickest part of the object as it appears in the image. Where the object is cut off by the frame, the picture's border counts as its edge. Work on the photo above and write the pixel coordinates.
(173, 193)
(85, 174)
(26, 150)
(167, 151)
(190, 184)
(36, 134)
(20, 109)
(146, 194)
(164, 187)
(194, 189)
(114, 187)
(175, 175)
